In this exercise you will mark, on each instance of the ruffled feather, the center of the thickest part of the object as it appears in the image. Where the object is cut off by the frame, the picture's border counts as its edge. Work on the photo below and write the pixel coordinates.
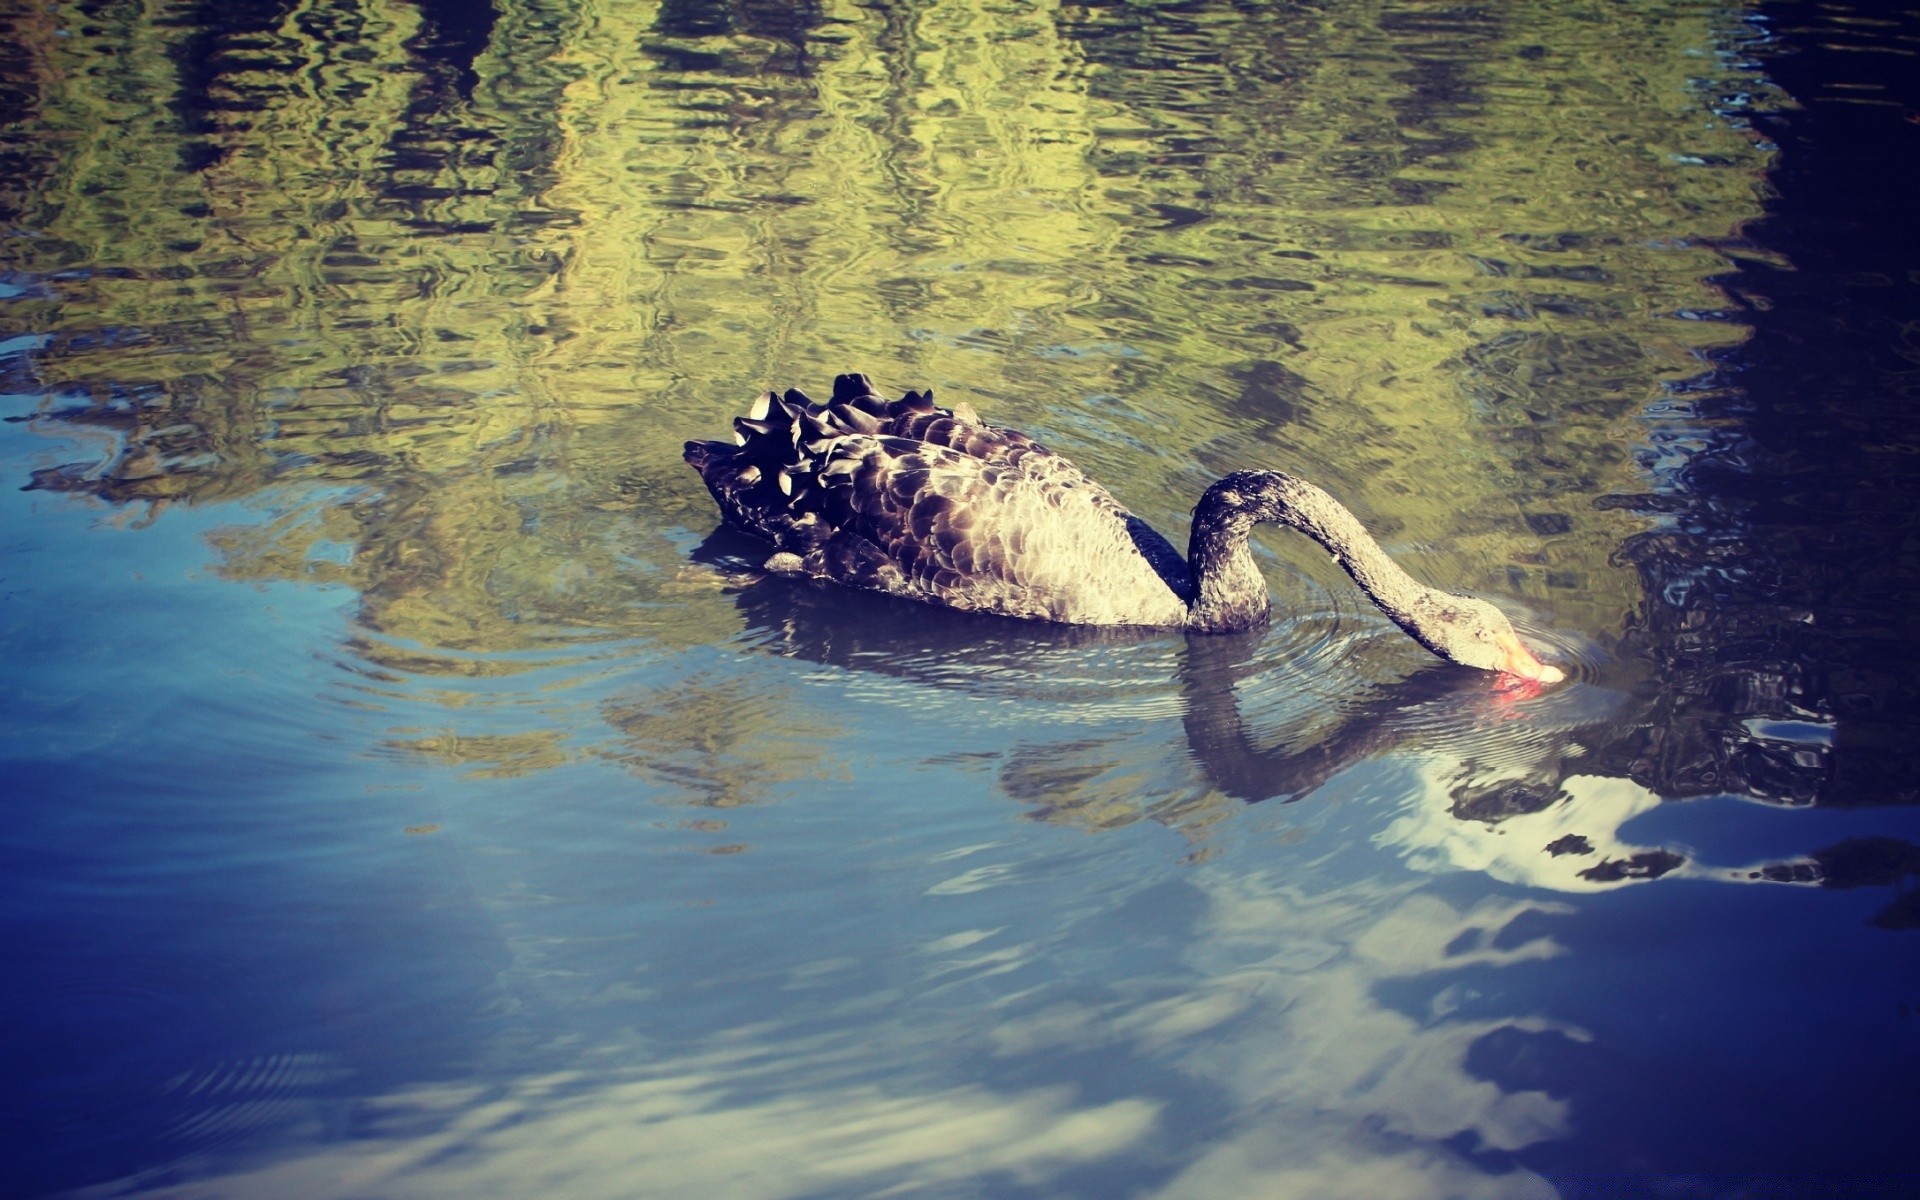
(911, 499)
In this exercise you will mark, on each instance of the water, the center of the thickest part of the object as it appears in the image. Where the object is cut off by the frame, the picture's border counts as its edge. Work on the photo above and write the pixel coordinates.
(410, 794)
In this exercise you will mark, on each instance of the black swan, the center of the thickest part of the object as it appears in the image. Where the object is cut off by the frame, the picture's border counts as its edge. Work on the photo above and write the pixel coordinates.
(935, 504)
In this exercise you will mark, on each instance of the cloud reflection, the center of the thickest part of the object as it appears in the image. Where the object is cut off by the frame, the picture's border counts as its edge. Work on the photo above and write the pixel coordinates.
(685, 1135)
(1562, 835)
(1340, 1094)
(1262, 1052)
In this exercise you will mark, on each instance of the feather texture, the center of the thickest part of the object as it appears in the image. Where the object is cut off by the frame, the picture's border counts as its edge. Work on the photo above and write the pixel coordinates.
(933, 504)
(914, 500)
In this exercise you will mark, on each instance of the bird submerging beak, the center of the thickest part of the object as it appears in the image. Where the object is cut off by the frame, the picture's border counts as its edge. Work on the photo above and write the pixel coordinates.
(1519, 661)
(934, 504)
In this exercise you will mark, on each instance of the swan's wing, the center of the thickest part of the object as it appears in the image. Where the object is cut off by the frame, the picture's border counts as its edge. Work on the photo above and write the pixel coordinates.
(915, 416)
(783, 431)
(886, 478)
(1009, 447)
(1005, 447)
(920, 519)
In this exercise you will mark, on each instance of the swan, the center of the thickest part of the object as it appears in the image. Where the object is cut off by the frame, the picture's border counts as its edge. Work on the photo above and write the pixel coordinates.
(935, 504)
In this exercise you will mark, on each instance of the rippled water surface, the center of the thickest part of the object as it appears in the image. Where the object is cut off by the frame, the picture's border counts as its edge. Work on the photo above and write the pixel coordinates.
(410, 793)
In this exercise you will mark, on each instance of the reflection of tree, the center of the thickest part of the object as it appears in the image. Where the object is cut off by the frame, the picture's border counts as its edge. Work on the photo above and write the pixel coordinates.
(1740, 707)
(443, 285)
(1387, 239)
(397, 243)
(489, 756)
(721, 745)
(26, 35)
(345, 316)
(1879, 862)
(686, 32)
(1779, 569)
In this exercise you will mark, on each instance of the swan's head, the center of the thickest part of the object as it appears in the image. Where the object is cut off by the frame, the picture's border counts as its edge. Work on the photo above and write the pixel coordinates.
(1476, 634)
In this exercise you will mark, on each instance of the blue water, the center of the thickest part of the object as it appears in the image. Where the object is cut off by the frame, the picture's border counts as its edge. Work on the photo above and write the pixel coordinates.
(407, 793)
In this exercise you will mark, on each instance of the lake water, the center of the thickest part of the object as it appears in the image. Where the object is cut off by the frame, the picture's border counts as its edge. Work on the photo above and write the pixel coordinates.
(409, 793)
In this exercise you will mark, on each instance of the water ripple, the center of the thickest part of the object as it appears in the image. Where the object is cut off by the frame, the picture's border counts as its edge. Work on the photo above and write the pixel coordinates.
(135, 1047)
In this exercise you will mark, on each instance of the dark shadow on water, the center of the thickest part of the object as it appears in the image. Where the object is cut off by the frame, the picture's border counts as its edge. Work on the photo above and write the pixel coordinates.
(1781, 572)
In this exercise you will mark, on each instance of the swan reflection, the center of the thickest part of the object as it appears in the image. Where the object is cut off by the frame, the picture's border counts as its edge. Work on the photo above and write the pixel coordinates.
(1265, 716)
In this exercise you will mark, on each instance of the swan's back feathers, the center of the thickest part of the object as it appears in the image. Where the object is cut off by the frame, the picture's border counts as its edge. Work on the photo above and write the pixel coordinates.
(915, 500)
(982, 536)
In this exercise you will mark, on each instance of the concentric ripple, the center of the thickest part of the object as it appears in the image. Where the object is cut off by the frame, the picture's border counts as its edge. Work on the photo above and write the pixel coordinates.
(135, 1049)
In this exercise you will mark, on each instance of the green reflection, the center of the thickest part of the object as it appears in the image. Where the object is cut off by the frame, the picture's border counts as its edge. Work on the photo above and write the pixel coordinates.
(447, 320)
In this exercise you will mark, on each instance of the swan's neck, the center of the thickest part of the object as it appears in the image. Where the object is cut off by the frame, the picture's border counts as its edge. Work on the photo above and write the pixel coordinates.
(1229, 592)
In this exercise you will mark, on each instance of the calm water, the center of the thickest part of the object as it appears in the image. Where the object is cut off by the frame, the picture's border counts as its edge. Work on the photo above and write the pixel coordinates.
(409, 794)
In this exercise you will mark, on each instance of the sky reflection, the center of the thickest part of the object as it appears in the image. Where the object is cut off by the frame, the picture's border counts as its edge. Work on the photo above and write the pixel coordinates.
(1267, 1005)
